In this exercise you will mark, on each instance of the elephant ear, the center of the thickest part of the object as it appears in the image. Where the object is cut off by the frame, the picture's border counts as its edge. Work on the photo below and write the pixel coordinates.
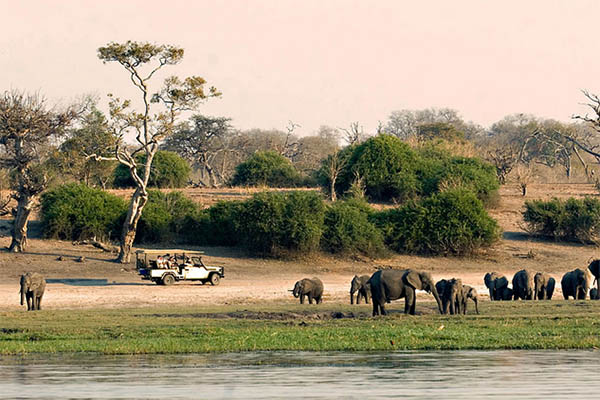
(413, 279)
(487, 279)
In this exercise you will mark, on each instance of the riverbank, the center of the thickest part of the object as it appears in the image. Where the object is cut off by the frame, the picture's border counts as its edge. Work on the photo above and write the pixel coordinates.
(334, 327)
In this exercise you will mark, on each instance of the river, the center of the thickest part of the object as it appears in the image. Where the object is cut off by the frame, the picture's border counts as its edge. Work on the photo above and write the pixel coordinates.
(305, 375)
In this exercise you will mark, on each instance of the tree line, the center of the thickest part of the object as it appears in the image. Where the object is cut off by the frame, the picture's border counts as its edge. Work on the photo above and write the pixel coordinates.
(41, 144)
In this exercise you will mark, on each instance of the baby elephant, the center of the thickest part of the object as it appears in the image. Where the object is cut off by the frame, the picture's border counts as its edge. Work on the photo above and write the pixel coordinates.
(361, 287)
(312, 288)
(506, 293)
(594, 294)
(469, 292)
(32, 288)
(451, 293)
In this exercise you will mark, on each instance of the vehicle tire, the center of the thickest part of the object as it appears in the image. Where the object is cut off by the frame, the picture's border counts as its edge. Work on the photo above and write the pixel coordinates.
(214, 279)
(168, 279)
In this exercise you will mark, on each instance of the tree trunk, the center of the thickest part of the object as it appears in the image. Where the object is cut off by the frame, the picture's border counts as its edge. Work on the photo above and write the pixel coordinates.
(19, 232)
(332, 188)
(138, 201)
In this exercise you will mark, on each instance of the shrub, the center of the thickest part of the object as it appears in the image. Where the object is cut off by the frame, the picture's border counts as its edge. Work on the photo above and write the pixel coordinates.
(275, 223)
(76, 211)
(437, 171)
(347, 230)
(168, 170)
(453, 222)
(266, 168)
(387, 166)
(215, 226)
(571, 219)
(164, 217)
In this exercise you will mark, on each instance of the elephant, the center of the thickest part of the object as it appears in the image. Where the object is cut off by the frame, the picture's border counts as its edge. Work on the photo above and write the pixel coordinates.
(543, 286)
(575, 284)
(33, 286)
(470, 292)
(394, 284)
(441, 287)
(360, 286)
(594, 268)
(523, 285)
(451, 293)
(594, 294)
(496, 283)
(506, 293)
(312, 288)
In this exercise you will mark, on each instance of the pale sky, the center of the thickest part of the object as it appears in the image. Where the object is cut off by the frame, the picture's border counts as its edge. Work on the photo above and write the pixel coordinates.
(321, 62)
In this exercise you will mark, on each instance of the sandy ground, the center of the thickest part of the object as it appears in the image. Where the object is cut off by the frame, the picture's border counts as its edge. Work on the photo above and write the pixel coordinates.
(255, 280)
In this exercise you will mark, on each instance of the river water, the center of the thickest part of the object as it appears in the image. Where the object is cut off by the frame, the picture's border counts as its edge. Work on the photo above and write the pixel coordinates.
(305, 375)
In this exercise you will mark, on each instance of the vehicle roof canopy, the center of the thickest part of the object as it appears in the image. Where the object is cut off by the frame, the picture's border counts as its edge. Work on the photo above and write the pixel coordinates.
(170, 251)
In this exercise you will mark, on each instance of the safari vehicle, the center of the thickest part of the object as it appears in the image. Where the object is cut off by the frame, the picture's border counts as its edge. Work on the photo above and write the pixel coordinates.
(166, 266)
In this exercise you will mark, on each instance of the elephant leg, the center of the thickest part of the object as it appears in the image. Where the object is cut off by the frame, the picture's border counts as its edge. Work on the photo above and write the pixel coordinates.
(351, 298)
(492, 294)
(302, 298)
(310, 299)
(367, 298)
(358, 296)
(29, 301)
(375, 308)
(39, 302)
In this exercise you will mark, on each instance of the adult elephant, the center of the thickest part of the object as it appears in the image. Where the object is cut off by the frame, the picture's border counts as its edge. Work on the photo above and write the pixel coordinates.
(575, 284)
(442, 286)
(543, 286)
(495, 282)
(523, 285)
(393, 284)
(361, 287)
(309, 287)
(594, 268)
(33, 286)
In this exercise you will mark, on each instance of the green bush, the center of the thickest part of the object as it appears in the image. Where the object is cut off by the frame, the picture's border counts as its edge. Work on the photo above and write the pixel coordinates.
(164, 217)
(348, 231)
(76, 211)
(571, 219)
(277, 223)
(267, 168)
(215, 226)
(453, 222)
(168, 170)
(387, 166)
(436, 170)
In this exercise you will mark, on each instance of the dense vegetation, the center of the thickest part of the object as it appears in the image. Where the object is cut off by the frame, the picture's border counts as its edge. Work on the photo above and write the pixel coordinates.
(76, 211)
(280, 223)
(266, 168)
(453, 222)
(391, 170)
(571, 219)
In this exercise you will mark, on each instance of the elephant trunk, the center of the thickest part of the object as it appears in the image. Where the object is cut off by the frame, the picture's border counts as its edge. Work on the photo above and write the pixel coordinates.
(22, 295)
(437, 298)
(351, 298)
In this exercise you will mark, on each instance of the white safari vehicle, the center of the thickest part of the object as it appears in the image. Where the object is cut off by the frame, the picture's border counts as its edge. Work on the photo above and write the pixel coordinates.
(167, 266)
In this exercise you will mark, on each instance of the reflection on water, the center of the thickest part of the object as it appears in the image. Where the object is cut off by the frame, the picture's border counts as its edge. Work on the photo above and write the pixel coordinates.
(306, 375)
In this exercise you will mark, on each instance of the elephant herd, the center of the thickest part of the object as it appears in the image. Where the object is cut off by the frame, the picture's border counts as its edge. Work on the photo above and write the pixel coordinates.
(451, 295)
(540, 286)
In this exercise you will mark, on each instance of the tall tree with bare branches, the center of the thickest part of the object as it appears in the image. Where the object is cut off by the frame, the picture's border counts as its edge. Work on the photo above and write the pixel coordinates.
(27, 128)
(156, 120)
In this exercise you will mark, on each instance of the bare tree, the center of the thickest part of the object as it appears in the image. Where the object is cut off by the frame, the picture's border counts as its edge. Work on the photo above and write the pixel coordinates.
(142, 61)
(202, 142)
(353, 134)
(27, 128)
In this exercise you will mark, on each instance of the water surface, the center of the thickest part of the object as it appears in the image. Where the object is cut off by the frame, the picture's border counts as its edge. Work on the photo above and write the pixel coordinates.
(304, 375)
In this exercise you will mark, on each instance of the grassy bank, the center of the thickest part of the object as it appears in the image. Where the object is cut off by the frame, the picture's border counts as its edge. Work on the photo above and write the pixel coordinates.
(501, 325)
